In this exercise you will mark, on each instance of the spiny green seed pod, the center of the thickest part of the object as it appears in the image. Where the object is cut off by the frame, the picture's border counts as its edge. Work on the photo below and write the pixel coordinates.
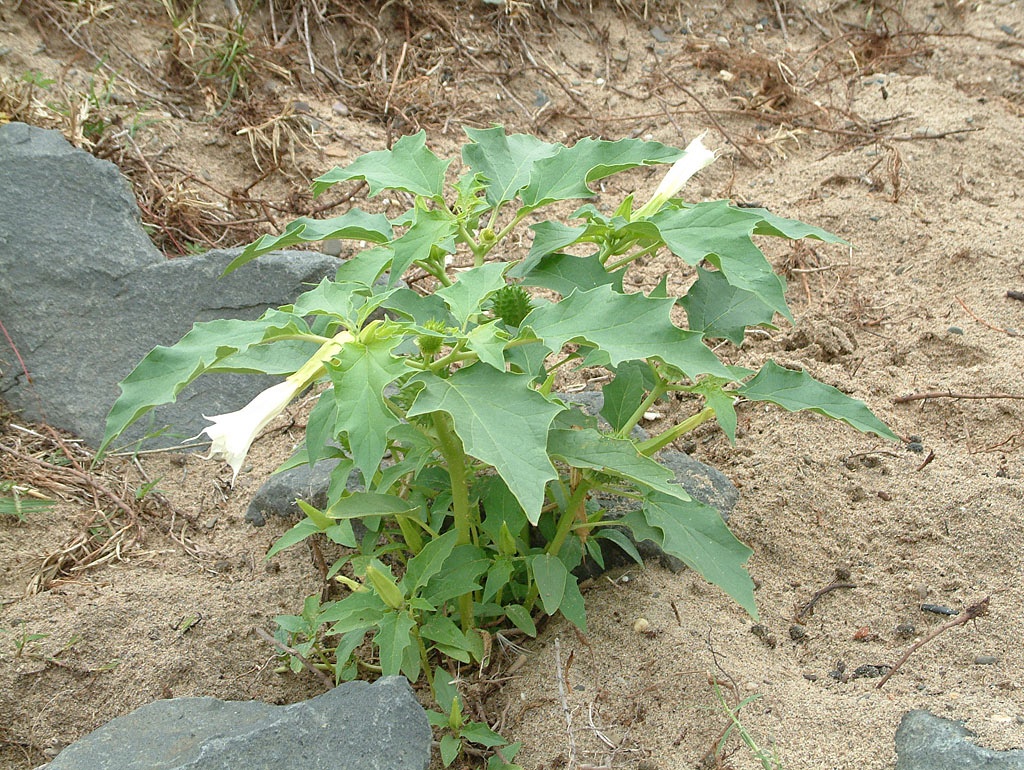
(429, 344)
(511, 304)
(390, 593)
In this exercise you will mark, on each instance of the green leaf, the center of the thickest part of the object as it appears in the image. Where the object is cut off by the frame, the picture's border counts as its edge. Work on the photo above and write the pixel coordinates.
(407, 166)
(798, 391)
(357, 611)
(550, 575)
(441, 628)
(623, 542)
(567, 173)
(497, 577)
(501, 421)
(478, 732)
(360, 373)
(428, 562)
(354, 224)
(393, 637)
(521, 618)
(340, 300)
(469, 563)
(444, 691)
(450, 748)
(296, 534)
(722, 402)
(564, 272)
(359, 504)
(165, 371)
(419, 308)
(505, 161)
(365, 267)
(549, 237)
(720, 310)
(624, 394)
(572, 604)
(695, 533)
(625, 326)
(471, 288)
(315, 515)
(620, 457)
(500, 507)
(488, 341)
(431, 228)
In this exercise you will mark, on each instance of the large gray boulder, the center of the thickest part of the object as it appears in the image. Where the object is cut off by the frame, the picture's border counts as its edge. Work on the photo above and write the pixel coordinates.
(927, 742)
(355, 726)
(84, 294)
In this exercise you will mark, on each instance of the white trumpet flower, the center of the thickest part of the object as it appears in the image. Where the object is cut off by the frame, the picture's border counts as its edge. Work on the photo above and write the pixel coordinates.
(232, 434)
(695, 157)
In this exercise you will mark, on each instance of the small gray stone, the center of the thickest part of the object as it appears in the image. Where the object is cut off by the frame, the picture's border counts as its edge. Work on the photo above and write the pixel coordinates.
(660, 35)
(278, 494)
(357, 725)
(986, 660)
(927, 742)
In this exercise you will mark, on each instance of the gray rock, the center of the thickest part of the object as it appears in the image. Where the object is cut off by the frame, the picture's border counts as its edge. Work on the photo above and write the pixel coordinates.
(85, 295)
(927, 742)
(278, 494)
(356, 726)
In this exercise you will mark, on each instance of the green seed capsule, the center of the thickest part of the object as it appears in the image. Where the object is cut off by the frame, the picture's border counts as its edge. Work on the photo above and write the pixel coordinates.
(511, 304)
(390, 593)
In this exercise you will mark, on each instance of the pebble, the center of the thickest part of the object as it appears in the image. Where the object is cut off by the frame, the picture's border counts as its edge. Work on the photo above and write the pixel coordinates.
(641, 624)
(659, 34)
(955, 330)
(869, 671)
(809, 675)
(986, 660)
(938, 609)
(905, 630)
(916, 447)
(797, 633)
(340, 108)
(652, 415)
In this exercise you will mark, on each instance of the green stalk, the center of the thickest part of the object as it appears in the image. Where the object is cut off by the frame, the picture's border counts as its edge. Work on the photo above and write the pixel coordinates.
(569, 515)
(455, 458)
(657, 392)
(423, 654)
(652, 445)
(635, 255)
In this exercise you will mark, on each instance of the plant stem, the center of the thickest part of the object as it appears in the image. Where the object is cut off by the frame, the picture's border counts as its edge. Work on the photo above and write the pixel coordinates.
(569, 515)
(423, 654)
(635, 255)
(651, 446)
(657, 392)
(455, 458)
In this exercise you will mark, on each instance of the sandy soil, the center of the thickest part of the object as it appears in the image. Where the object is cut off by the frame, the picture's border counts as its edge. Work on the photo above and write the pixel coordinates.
(920, 304)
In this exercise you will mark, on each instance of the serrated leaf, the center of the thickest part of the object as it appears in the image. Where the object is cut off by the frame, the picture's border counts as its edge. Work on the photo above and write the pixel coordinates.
(567, 173)
(431, 228)
(360, 373)
(720, 310)
(619, 457)
(500, 507)
(550, 575)
(695, 534)
(723, 403)
(407, 166)
(624, 394)
(627, 327)
(521, 619)
(488, 341)
(354, 224)
(501, 421)
(798, 391)
(505, 161)
(471, 288)
(564, 273)
(165, 371)
(331, 298)
(419, 308)
(365, 267)
(549, 237)
(428, 562)
(393, 637)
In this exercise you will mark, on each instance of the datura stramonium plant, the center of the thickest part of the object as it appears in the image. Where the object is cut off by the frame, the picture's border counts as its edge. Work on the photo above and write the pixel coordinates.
(233, 433)
(484, 495)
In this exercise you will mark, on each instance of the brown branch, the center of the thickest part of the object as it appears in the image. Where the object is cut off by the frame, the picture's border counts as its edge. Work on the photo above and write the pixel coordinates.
(983, 322)
(296, 654)
(836, 584)
(951, 394)
(971, 613)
